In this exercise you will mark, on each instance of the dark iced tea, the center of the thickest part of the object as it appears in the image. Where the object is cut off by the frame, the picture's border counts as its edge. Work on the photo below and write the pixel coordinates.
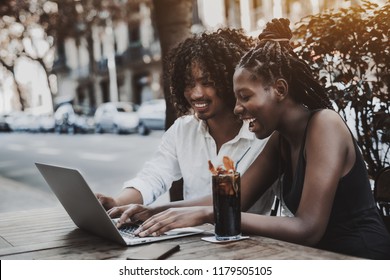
(227, 206)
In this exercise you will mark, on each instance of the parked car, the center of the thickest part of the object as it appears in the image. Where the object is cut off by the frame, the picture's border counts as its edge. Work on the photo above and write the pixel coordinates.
(116, 117)
(151, 116)
(68, 121)
(84, 124)
(46, 122)
(65, 119)
(20, 121)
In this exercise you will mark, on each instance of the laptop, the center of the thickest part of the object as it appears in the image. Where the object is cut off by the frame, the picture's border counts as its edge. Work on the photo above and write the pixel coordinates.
(86, 211)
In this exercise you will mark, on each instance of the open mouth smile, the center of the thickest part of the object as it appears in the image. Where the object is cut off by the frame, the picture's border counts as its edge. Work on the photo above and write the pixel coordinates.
(200, 106)
(251, 122)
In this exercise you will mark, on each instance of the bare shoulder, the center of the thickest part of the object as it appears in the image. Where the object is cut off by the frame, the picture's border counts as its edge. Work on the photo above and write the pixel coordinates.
(327, 115)
(330, 142)
(328, 121)
(328, 134)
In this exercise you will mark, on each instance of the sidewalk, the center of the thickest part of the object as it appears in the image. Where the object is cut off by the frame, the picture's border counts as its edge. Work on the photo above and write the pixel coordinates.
(15, 196)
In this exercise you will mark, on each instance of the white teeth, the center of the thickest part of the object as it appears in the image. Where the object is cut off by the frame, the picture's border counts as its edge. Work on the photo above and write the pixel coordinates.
(250, 120)
(250, 123)
(200, 105)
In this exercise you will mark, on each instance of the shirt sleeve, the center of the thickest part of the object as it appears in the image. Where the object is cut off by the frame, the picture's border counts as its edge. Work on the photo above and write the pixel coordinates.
(157, 174)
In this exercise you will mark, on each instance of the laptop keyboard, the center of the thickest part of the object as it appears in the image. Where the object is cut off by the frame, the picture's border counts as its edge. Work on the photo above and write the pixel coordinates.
(128, 230)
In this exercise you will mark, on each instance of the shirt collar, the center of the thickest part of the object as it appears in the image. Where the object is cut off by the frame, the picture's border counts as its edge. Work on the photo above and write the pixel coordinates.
(203, 128)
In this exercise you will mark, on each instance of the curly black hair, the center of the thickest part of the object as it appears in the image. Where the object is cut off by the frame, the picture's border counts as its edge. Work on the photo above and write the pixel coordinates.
(274, 58)
(217, 53)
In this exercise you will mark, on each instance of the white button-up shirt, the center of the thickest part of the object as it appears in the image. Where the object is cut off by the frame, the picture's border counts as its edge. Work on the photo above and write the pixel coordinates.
(184, 152)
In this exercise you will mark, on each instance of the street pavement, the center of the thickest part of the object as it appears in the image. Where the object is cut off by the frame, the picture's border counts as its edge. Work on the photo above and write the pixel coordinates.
(23, 188)
(18, 196)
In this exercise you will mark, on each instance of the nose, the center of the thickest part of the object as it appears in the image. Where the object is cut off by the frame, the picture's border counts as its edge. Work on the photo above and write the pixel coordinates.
(238, 108)
(197, 92)
(193, 93)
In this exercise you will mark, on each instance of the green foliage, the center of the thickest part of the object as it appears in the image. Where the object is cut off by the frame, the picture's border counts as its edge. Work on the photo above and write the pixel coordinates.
(349, 51)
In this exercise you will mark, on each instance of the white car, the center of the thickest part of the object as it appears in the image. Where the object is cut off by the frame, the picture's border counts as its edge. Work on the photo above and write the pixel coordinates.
(47, 123)
(65, 119)
(116, 117)
(23, 121)
(151, 116)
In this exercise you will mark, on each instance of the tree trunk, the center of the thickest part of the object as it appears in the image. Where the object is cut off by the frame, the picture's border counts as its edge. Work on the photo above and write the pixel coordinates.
(173, 20)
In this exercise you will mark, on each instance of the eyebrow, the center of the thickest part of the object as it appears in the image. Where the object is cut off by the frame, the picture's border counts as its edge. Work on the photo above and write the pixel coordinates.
(239, 91)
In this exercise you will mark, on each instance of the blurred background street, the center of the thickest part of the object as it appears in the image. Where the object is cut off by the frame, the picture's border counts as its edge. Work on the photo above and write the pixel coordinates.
(106, 161)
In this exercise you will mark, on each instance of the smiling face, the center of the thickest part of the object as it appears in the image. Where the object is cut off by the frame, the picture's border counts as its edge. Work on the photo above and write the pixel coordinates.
(202, 95)
(256, 103)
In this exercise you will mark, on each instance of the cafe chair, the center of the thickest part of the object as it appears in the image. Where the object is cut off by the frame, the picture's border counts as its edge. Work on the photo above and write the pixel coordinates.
(382, 194)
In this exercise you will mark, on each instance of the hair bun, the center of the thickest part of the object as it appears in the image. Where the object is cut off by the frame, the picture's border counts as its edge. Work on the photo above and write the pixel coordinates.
(277, 30)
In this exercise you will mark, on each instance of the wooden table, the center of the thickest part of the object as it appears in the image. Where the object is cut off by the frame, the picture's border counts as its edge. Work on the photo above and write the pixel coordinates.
(51, 234)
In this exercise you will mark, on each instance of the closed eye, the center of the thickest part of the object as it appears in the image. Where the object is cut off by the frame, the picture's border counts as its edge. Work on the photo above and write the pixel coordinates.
(243, 97)
(207, 83)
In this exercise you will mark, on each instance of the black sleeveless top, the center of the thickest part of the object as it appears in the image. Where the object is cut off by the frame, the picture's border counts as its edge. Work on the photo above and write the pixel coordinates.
(355, 226)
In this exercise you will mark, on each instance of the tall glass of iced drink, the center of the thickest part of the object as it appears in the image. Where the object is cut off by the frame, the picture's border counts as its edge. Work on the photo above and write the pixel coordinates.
(226, 202)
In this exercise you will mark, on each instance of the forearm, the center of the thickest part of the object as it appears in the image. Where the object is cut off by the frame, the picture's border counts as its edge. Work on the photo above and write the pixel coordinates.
(290, 229)
(129, 196)
(202, 201)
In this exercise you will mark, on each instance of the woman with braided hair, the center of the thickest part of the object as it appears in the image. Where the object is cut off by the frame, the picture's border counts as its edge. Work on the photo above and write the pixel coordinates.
(311, 152)
(200, 74)
(325, 182)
